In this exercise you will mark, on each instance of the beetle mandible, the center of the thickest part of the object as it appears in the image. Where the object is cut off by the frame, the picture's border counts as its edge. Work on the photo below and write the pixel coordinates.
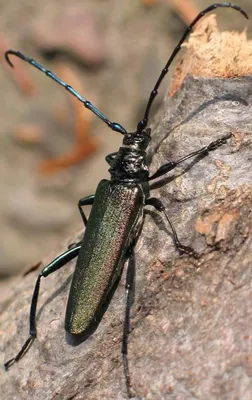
(115, 220)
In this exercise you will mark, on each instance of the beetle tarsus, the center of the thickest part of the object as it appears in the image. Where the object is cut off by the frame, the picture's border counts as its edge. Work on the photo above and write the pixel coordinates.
(187, 250)
(22, 352)
(201, 152)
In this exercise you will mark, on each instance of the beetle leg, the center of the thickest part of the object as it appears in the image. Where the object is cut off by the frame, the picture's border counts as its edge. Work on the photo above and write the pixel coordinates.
(56, 264)
(85, 201)
(157, 204)
(129, 290)
(74, 244)
(110, 157)
(201, 152)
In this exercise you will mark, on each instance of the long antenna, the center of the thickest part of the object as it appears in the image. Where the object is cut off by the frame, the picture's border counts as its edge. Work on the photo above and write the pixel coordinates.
(113, 125)
(143, 122)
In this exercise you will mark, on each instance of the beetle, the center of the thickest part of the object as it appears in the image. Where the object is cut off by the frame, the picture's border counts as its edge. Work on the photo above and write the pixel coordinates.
(115, 220)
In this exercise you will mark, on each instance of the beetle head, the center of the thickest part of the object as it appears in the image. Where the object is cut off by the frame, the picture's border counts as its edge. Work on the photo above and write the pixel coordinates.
(137, 140)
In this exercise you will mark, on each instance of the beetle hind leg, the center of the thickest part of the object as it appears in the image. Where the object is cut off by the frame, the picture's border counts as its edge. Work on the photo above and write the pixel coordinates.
(56, 264)
(129, 290)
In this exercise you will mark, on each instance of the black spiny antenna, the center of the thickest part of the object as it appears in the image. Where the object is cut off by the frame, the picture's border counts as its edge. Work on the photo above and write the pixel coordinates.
(113, 125)
(143, 122)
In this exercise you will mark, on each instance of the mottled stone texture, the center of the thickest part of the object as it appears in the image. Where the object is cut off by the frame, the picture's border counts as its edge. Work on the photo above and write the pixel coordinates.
(191, 320)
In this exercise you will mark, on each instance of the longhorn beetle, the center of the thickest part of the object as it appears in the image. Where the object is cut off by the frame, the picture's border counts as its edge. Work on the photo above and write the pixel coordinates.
(115, 220)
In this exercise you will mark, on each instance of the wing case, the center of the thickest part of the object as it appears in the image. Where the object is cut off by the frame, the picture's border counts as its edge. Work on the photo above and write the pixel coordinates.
(114, 222)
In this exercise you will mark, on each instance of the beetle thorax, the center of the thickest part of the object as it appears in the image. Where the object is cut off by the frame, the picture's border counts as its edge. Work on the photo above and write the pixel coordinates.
(130, 163)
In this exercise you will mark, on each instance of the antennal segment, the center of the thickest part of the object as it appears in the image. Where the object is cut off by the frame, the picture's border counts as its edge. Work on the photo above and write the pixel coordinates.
(143, 123)
(113, 125)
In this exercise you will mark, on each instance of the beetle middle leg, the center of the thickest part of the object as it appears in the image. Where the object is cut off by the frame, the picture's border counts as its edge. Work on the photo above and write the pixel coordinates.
(56, 264)
(89, 200)
(85, 201)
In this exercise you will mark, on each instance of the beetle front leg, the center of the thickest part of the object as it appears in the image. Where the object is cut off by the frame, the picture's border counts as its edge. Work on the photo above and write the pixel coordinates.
(201, 152)
(56, 264)
(110, 157)
(157, 204)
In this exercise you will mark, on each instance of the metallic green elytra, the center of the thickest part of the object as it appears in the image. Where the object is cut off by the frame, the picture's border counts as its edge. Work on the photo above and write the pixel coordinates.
(113, 225)
(115, 220)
